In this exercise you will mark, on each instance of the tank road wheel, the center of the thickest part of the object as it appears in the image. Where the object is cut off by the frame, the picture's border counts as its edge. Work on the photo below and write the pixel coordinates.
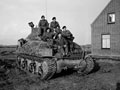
(18, 62)
(88, 66)
(34, 67)
(28, 64)
(31, 68)
(48, 69)
(21, 63)
(38, 68)
(24, 64)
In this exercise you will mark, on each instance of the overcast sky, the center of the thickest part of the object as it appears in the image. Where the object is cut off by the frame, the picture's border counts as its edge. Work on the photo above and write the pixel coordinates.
(77, 15)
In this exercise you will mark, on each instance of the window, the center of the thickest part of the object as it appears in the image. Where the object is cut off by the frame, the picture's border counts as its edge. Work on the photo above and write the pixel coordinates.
(106, 41)
(111, 18)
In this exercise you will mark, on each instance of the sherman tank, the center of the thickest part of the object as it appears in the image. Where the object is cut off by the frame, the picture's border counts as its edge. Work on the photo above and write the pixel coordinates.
(44, 59)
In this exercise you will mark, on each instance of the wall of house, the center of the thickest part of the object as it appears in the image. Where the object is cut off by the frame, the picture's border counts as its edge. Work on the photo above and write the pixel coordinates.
(100, 26)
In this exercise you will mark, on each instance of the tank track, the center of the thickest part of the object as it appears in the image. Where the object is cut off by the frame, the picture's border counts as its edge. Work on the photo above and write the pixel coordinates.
(48, 66)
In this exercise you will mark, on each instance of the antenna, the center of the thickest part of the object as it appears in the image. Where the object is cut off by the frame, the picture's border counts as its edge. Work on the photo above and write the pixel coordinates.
(46, 7)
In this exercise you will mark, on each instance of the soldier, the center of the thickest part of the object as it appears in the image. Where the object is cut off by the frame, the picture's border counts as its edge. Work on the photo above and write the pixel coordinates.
(54, 24)
(62, 45)
(69, 37)
(56, 32)
(48, 35)
(43, 25)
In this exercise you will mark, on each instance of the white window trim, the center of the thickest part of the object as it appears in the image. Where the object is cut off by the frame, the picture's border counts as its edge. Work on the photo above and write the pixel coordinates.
(105, 41)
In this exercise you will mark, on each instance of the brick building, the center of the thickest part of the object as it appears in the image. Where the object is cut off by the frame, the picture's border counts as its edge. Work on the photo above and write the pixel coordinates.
(106, 30)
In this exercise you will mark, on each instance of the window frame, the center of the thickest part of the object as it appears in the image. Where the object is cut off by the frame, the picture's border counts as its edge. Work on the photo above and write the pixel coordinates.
(102, 41)
(108, 21)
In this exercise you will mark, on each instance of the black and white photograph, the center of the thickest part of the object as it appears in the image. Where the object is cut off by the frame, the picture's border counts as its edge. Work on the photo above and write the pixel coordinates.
(60, 45)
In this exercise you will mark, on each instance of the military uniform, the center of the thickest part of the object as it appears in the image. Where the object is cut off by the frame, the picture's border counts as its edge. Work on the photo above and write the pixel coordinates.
(47, 36)
(57, 31)
(69, 37)
(67, 34)
(62, 45)
(43, 25)
(54, 25)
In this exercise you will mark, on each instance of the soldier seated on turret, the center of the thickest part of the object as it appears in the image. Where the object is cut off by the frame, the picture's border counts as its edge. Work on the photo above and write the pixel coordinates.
(69, 37)
(48, 35)
(54, 24)
(56, 32)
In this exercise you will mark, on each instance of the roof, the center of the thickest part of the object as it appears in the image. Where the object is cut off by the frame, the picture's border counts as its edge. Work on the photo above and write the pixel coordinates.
(102, 12)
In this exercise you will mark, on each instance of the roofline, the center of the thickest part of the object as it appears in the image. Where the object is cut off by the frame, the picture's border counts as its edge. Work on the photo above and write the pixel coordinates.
(101, 13)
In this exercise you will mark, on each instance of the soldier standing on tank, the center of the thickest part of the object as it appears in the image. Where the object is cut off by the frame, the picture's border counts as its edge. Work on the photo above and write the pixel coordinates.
(54, 24)
(69, 37)
(43, 25)
(62, 44)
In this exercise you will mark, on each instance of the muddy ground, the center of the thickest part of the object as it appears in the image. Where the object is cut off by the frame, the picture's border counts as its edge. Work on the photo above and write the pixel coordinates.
(105, 76)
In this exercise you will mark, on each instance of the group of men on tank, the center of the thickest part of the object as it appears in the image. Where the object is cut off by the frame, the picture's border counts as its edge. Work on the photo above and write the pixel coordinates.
(62, 37)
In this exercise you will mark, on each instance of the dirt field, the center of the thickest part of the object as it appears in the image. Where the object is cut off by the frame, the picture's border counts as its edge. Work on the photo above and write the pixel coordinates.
(105, 76)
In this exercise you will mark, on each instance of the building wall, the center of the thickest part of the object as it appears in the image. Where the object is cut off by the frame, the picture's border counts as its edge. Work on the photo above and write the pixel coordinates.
(100, 26)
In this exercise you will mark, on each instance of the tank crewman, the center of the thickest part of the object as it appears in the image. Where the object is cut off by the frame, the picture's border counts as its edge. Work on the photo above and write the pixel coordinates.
(54, 24)
(69, 37)
(62, 44)
(48, 35)
(43, 25)
(56, 32)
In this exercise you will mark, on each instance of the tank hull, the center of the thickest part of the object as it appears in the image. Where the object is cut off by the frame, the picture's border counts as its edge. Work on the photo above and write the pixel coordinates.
(46, 67)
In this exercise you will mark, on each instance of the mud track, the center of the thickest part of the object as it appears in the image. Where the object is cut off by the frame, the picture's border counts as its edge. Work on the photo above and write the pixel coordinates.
(105, 76)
